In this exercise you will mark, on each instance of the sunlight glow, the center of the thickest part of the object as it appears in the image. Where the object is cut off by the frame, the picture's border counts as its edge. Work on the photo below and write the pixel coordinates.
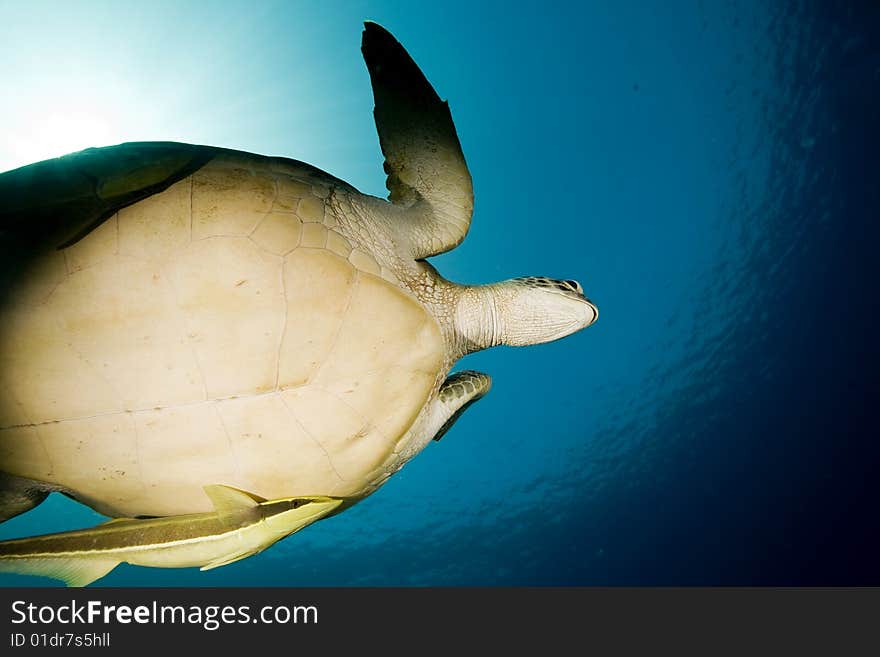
(75, 79)
(63, 115)
(56, 134)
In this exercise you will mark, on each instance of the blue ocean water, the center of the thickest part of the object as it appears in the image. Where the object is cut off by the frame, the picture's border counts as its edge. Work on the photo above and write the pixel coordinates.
(707, 170)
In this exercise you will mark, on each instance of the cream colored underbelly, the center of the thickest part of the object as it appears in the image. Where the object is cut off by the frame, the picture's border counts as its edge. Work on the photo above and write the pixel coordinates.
(191, 341)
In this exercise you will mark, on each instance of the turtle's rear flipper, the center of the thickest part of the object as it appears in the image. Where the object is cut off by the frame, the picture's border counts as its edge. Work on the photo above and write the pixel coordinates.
(18, 495)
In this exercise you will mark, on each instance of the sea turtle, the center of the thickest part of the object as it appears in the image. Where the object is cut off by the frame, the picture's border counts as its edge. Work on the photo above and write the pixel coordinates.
(177, 316)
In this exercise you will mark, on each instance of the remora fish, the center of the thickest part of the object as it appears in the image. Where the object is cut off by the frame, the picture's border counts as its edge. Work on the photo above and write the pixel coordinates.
(242, 524)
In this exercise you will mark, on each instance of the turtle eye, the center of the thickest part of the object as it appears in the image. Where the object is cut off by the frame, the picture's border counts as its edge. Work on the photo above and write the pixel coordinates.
(574, 285)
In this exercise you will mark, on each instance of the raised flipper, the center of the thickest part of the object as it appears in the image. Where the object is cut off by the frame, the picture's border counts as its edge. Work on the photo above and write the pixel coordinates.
(18, 495)
(427, 174)
(458, 391)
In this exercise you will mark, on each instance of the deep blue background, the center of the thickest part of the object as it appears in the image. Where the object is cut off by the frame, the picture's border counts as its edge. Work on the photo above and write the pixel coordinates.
(707, 170)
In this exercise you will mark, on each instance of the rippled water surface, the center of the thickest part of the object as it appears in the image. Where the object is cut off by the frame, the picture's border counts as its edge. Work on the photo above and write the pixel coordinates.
(707, 170)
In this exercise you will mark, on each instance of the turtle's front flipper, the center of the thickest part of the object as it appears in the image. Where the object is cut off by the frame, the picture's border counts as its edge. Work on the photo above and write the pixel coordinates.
(427, 173)
(458, 391)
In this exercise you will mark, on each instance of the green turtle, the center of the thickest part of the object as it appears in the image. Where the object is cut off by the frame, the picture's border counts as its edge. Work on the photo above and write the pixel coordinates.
(177, 316)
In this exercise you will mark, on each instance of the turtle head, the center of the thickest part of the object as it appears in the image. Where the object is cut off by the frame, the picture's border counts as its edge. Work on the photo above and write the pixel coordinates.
(533, 309)
(523, 311)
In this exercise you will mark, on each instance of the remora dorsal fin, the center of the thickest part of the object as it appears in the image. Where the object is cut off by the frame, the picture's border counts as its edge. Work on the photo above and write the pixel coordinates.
(73, 571)
(227, 499)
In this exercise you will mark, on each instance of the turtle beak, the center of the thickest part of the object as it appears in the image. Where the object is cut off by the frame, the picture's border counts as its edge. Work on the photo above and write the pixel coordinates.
(592, 308)
(591, 311)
